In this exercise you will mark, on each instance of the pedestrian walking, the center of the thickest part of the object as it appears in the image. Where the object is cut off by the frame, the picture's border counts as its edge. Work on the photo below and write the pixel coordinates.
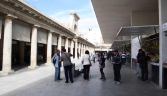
(116, 67)
(101, 60)
(123, 58)
(65, 57)
(86, 64)
(57, 64)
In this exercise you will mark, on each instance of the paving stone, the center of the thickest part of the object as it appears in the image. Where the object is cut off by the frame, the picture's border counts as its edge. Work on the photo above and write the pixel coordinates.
(40, 82)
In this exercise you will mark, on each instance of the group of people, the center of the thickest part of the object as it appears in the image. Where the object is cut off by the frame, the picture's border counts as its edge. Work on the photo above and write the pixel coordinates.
(65, 58)
(86, 62)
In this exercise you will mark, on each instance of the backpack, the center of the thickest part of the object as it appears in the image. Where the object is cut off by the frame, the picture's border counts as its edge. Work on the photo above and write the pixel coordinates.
(54, 59)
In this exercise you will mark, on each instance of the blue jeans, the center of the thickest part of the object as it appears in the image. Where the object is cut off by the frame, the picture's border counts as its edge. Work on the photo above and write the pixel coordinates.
(138, 68)
(56, 73)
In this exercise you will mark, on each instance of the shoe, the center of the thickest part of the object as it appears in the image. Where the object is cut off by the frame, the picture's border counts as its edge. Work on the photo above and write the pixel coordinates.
(118, 83)
(60, 79)
(57, 80)
(114, 82)
(100, 78)
(66, 82)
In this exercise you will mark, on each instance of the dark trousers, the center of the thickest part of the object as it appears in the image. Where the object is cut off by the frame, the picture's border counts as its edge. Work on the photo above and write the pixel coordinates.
(59, 74)
(68, 71)
(86, 71)
(101, 71)
(117, 75)
(93, 59)
(144, 73)
(123, 61)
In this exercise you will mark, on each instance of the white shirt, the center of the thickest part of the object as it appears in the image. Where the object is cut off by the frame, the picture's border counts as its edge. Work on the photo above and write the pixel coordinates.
(86, 59)
(123, 55)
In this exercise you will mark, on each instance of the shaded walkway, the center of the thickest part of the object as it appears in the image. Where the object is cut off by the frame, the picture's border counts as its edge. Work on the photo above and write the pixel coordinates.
(42, 84)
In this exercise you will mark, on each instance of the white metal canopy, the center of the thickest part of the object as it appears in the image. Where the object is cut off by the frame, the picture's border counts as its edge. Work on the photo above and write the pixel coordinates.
(137, 30)
(117, 43)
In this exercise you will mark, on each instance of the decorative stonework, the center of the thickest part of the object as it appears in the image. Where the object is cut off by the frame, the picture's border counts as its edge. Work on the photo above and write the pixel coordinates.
(33, 18)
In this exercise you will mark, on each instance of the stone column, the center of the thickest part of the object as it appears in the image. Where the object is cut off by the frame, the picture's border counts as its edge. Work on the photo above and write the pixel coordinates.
(33, 62)
(22, 47)
(76, 47)
(72, 46)
(7, 45)
(79, 47)
(162, 39)
(59, 42)
(66, 44)
(49, 49)
(84, 48)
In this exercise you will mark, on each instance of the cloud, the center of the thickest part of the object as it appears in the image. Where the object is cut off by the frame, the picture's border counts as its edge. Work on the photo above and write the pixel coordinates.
(87, 18)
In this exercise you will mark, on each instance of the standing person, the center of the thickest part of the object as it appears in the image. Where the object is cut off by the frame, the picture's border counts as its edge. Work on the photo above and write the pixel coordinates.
(123, 58)
(138, 64)
(65, 57)
(57, 64)
(144, 66)
(94, 57)
(78, 55)
(101, 60)
(116, 67)
(86, 64)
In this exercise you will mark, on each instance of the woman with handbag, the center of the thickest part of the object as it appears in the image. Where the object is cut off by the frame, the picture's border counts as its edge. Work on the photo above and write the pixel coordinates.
(86, 64)
(65, 57)
(101, 60)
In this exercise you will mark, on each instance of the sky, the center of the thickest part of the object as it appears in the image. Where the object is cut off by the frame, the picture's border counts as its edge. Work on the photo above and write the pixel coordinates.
(60, 11)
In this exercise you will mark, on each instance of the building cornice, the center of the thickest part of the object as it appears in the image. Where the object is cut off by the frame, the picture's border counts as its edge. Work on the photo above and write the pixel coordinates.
(80, 39)
(26, 13)
(75, 14)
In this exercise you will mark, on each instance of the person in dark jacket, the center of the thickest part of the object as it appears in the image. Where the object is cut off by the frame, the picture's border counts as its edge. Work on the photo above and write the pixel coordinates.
(116, 67)
(65, 57)
(101, 60)
(144, 66)
(138, 64)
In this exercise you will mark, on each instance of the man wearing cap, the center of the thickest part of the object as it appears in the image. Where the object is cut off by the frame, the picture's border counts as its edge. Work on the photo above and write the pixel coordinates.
(116, 67)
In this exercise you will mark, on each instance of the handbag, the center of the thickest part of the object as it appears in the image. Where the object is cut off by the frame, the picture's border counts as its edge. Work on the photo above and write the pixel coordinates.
(68, 59)
(54, 59)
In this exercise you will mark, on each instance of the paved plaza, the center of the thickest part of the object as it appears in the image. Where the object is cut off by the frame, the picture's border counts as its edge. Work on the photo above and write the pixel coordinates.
(40, 82)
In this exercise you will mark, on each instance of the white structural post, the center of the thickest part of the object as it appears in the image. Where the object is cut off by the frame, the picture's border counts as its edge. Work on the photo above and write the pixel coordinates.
(49, 48)
(66, 44)
(79, 47)
(72, 46)
(162, 39)
(33, 61)
(7, 45)
(76, 47)
(59, 42)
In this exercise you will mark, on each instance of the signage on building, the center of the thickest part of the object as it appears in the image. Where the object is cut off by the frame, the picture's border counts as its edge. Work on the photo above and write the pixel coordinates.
(164, 27)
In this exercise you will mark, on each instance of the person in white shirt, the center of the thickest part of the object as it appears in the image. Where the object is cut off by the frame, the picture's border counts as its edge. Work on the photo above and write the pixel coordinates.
(86, 64)
(123, 58)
